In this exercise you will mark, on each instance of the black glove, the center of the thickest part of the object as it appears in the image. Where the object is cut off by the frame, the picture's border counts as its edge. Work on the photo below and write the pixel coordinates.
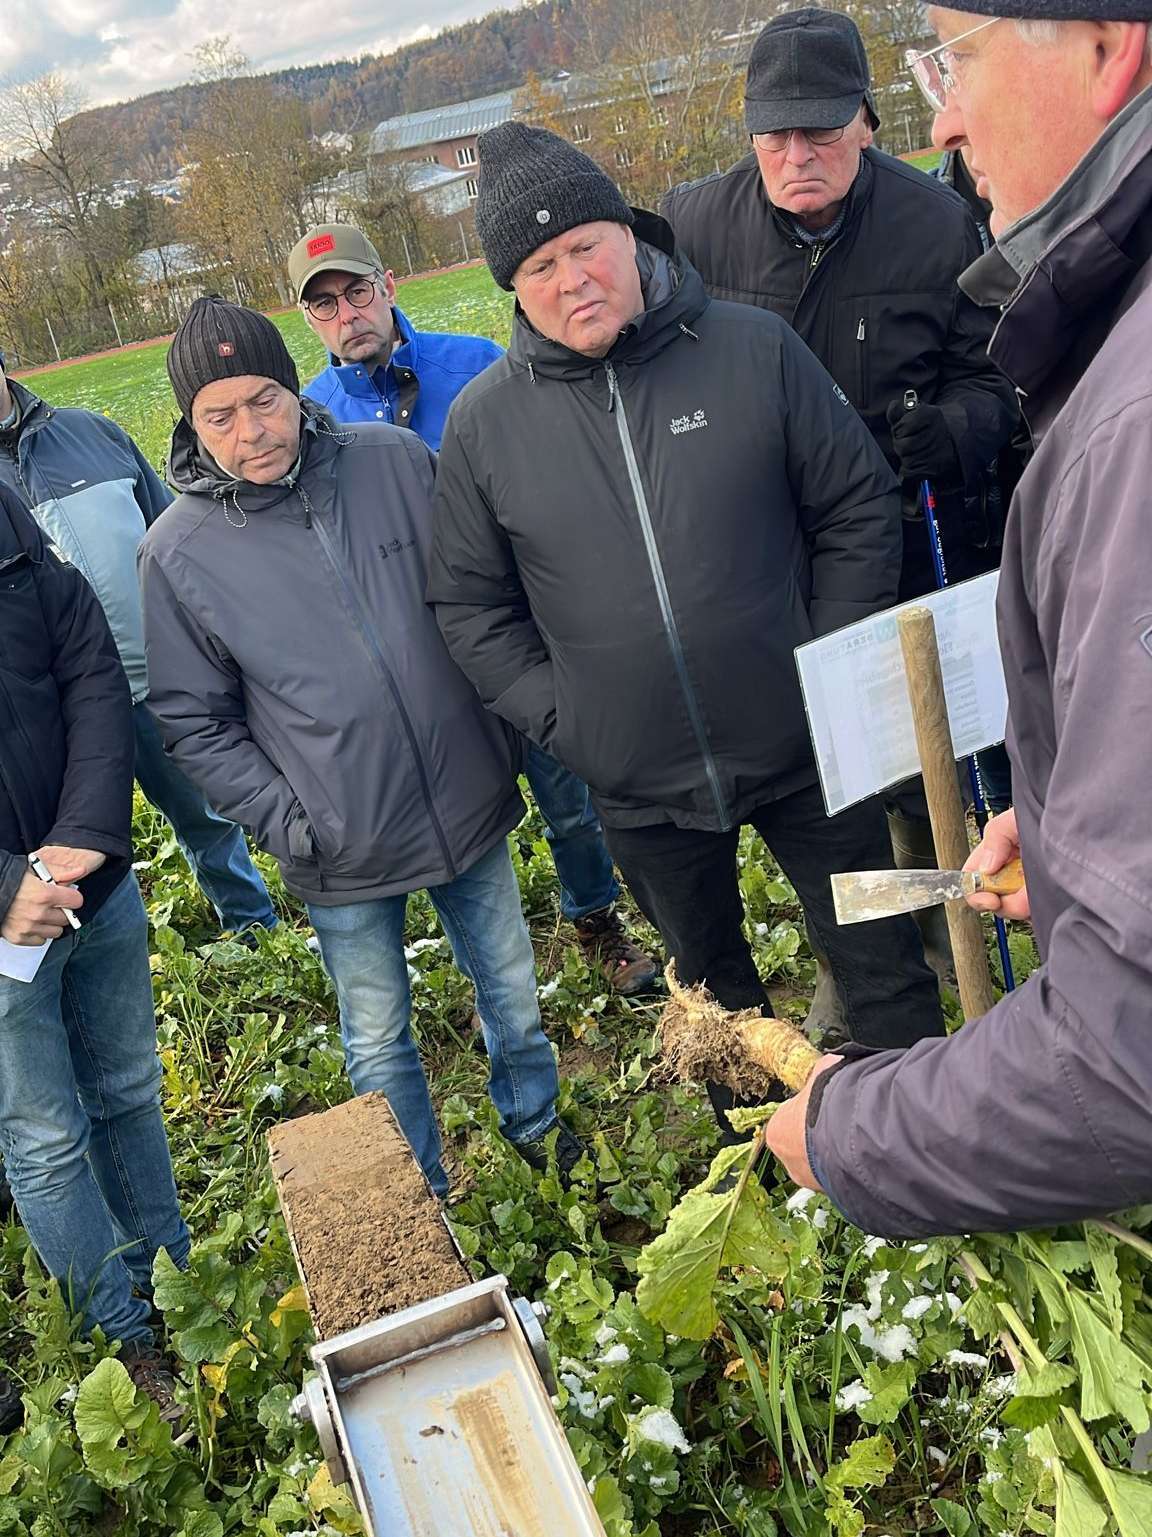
(924, 446)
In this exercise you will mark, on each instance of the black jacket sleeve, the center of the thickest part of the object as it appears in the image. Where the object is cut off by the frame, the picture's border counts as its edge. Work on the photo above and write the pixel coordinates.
(95, 806)
(481, 607)
(848, 498)
(979, 404)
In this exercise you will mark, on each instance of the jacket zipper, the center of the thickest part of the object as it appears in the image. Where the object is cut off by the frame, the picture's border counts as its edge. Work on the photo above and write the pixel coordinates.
(655, 565)
(375, 650)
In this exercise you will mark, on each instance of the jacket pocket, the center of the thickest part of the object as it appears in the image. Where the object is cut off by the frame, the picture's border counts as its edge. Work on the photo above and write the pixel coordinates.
(301, 842)
(25, 645)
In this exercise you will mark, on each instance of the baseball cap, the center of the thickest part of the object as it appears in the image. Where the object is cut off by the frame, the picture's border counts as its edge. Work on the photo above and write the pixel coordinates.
(807, 69)
(331, 248)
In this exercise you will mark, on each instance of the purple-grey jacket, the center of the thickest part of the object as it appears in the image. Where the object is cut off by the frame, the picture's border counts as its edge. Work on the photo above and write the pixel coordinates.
(1041, 1112)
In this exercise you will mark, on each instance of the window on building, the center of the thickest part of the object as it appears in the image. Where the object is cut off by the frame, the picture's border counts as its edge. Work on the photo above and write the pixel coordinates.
(660, 116)
(664, 149)
(621, 125)
(466, 154)
(432, 159)
(581, 133)
(472, 187)
(624, 157)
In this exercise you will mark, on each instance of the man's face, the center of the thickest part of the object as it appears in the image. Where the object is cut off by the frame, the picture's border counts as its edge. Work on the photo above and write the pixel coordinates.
(582, 288)
(250, 426)
(812, 180)
(1029, 111)
(355, 335)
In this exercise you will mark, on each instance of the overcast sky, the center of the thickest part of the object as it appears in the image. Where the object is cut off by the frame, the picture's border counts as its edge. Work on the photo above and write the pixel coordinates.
(116, 49)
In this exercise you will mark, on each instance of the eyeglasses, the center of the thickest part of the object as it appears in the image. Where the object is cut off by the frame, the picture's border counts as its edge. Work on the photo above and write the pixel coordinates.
(359, 295)
(935, 71)
(779, 138)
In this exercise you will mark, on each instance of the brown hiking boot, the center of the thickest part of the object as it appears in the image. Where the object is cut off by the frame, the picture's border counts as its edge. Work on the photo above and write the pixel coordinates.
(152, 1373)
(606, 945)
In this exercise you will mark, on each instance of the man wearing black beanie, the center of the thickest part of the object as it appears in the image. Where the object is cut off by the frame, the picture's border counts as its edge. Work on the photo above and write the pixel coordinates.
(1041, 1112)
(640, 511)
(299, 679)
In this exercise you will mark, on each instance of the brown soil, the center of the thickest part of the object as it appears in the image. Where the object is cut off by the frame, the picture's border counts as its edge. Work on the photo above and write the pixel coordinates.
(369, 1235)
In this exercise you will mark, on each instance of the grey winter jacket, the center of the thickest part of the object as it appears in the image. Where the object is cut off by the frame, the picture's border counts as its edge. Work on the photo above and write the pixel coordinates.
(627, 550)
(1041, 1112)
(299, 678)
(94, 495)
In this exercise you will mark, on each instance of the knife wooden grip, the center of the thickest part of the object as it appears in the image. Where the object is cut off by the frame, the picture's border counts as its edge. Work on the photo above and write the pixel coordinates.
(1005, 882)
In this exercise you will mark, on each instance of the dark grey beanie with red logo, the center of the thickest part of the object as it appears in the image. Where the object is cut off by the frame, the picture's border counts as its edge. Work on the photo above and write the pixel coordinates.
(219, 340)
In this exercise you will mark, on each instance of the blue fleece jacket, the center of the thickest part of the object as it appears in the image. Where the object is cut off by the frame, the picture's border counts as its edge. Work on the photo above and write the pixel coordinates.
(95, 495)
(414, 388)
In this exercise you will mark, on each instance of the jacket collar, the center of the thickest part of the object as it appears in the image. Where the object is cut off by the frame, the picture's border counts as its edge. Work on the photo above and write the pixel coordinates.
(355, 380)
(674, 297)
(854, 204)
(1059, 273)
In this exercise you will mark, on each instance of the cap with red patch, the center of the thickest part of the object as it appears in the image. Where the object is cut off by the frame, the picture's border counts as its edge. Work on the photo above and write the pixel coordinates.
(331, 248)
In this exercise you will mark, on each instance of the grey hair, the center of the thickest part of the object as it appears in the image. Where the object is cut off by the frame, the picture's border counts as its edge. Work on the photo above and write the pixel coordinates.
(1046, 31)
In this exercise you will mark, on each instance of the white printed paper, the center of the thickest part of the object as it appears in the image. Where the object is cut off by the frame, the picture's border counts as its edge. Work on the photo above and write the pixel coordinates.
(857, 698)
(21, 962)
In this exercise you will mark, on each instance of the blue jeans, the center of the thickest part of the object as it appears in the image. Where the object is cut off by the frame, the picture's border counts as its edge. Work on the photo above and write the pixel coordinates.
(80, 1123)
(214, 848)
(362, 944)
(572, 828)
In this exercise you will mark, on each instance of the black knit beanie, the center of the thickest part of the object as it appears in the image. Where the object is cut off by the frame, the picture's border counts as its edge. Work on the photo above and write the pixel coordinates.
(534, 186)
(219, 340)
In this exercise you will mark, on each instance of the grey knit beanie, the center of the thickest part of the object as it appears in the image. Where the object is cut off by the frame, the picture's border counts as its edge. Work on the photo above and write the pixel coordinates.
(218, 340)
(534, 186)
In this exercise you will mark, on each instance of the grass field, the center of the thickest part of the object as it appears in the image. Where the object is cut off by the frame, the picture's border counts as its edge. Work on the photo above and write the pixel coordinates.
(132, 386)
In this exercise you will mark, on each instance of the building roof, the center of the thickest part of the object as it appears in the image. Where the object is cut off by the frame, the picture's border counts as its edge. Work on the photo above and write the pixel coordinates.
(459, 120)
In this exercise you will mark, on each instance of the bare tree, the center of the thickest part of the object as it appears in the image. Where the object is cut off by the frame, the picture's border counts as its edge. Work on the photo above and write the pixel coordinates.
(65, 166)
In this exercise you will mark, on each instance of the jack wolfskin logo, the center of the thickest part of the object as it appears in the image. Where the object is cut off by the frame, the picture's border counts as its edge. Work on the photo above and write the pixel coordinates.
(226, 349)
(840, 395)
(692, 423)
(394, 547)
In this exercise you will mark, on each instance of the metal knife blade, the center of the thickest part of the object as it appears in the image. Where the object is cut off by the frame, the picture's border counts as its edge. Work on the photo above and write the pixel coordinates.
(861, 895)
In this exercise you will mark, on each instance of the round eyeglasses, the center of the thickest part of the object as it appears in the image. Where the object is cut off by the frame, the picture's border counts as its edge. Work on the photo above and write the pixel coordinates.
(359, 295)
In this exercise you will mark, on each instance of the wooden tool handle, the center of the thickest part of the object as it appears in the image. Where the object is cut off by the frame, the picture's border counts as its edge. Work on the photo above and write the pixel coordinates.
(1005, 882)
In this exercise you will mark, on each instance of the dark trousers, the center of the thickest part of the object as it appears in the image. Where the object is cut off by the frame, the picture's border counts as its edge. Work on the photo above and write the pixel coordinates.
(687, 885)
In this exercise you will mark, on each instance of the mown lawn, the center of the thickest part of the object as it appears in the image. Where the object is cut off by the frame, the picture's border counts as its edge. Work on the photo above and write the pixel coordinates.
(132, 386)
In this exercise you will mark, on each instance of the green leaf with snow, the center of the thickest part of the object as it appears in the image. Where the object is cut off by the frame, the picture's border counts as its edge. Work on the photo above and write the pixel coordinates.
(890, 1386)
(706, 1234)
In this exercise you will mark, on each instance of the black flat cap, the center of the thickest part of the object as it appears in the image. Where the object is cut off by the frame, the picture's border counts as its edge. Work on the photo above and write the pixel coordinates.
(807, 69)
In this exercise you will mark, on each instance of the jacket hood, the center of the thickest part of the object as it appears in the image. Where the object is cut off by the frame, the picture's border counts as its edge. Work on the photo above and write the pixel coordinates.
(1055, 271)
(674, 298)
(191, 470)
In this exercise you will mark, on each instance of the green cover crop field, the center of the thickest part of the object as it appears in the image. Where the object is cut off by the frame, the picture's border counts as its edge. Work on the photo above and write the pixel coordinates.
(764, 1368)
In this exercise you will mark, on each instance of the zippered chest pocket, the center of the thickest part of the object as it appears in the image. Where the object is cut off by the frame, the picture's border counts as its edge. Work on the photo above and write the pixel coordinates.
(25, 647)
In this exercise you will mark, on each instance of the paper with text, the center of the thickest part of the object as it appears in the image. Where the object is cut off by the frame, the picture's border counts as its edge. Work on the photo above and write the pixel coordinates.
(857, 699)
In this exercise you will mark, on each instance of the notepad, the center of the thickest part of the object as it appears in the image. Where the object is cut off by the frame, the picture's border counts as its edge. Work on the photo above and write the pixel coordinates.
(21, 962)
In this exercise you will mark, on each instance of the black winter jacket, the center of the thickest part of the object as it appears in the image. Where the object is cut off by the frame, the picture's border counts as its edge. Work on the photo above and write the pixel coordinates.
(881, 309)
(627, 550)
(66, 739)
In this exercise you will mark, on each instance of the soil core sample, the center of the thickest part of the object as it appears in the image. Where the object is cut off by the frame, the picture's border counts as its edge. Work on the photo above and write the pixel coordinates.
(368, 1234)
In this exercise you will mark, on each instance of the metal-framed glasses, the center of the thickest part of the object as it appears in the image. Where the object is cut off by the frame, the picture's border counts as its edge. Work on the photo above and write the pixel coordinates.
(935, 71)
(779, 138)
(359, 294)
